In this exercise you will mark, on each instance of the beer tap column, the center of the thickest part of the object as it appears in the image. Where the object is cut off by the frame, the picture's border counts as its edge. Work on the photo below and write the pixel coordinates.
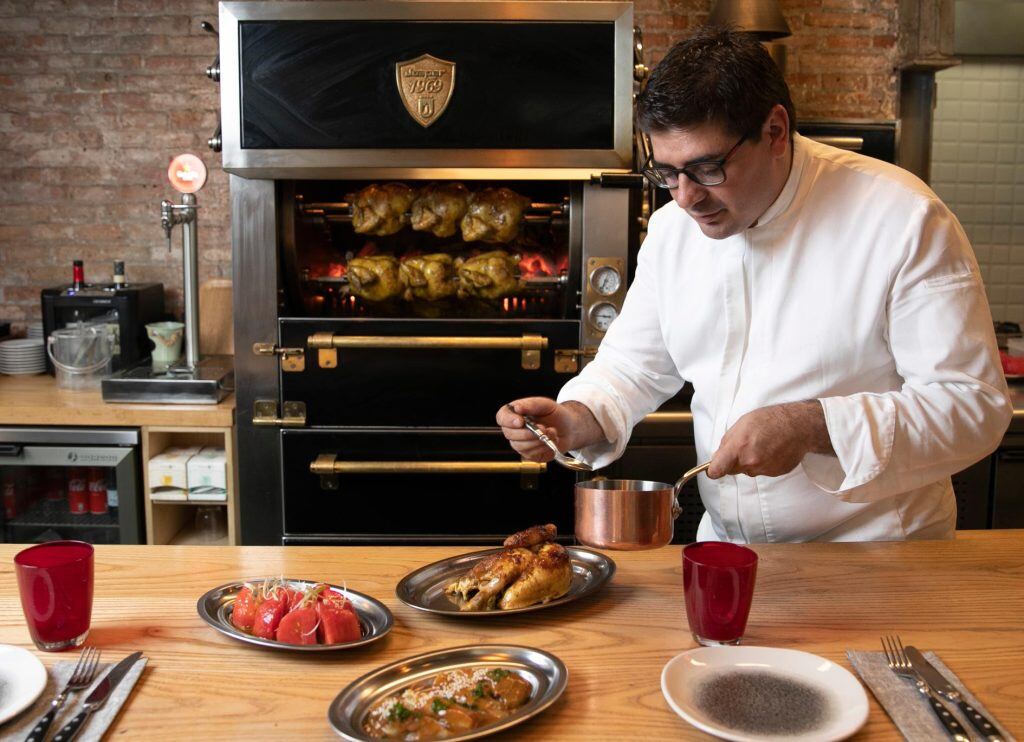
(187, 174)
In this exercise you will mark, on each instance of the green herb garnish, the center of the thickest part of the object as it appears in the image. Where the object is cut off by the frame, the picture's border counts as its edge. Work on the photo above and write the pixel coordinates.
(398, 712)
(497, 674)
(478, 690)
(440, 705)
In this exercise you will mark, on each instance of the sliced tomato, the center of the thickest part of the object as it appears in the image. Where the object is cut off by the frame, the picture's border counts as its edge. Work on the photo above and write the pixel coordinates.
(243, 612)
(299, 626)
(294, 597)
(269, 615)
(337, 624)
(335, 599)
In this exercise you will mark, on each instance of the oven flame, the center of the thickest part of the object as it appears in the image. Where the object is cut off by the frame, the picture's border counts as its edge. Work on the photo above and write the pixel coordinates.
(535, 264)
(336, 270)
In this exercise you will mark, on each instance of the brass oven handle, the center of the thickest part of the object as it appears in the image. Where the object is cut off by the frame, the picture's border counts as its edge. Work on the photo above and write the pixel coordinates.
(326, 464)
(327, 343)
(323, 340)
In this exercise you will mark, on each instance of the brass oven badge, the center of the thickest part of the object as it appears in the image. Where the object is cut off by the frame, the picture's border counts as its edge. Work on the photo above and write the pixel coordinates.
(425, 84)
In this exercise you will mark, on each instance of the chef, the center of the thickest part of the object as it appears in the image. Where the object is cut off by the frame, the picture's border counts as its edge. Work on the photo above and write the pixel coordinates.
(827, 308)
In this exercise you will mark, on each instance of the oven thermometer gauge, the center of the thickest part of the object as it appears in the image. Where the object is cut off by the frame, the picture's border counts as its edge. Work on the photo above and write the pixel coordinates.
(606, 280)
(602, 314)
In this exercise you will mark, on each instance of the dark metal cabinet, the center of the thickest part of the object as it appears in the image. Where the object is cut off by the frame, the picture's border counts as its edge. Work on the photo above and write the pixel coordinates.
(1008, 484)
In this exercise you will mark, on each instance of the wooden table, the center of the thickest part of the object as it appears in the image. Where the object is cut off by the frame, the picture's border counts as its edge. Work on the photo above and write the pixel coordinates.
(964, 599)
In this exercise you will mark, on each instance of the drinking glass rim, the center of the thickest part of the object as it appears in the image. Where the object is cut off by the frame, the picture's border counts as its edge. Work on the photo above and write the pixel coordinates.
(20, 557)
(750, 554)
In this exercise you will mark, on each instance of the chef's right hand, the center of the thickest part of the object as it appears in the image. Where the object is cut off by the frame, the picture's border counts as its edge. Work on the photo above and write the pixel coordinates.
(549, 416)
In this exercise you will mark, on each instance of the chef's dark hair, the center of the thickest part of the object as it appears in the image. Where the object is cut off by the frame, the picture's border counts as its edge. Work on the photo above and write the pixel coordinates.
(718, 75)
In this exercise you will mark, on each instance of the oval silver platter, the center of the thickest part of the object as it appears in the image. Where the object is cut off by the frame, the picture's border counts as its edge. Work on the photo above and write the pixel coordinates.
(542, 670)
(374, 617)
(424, 587)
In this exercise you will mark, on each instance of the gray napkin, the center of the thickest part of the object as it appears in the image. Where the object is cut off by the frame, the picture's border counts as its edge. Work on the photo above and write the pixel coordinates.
(97, 723)
(907, 706)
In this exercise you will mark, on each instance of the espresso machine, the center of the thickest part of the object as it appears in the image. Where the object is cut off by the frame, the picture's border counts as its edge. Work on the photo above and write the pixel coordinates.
(192, 379)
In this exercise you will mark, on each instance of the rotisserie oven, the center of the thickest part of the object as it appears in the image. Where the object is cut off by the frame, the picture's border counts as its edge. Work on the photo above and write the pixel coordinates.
(422, 230)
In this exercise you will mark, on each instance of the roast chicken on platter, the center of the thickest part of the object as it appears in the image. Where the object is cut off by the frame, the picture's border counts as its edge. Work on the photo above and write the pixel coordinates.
(494, 215)
(490, 275)
(429, 277)
(531, 569)
(381, 209)
(439, 207)
(375, 277)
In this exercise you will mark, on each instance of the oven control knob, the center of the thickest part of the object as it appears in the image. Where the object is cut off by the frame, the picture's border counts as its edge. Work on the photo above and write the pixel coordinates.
(602, 314)
(606, 280)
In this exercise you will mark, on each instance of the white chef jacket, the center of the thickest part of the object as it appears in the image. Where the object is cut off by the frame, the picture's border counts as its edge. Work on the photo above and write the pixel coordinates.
(858, 288)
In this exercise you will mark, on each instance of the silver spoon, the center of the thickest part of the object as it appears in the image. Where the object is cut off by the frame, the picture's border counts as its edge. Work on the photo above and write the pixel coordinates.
(567, 461)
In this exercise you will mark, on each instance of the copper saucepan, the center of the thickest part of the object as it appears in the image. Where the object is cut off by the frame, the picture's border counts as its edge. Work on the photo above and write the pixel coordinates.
(628, 514)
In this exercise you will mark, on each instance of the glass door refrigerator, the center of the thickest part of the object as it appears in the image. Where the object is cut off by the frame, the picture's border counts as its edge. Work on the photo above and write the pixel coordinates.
(70, 483)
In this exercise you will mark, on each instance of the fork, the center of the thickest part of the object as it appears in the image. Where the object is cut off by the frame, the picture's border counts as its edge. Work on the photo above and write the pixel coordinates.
(81, 677)
(899, 664)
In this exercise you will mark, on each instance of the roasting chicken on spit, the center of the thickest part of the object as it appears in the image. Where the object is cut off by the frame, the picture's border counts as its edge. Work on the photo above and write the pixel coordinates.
(531, 569)
(439, 207)
(381, 209)
(375, 278)
(494, 215)
(429, 277)
(490, 275)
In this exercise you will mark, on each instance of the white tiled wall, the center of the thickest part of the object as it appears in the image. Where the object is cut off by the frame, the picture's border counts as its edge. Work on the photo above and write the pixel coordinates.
(978, 170)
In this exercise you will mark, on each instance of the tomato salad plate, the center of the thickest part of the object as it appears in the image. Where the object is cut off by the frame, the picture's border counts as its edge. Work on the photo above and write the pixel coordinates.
(297, 615)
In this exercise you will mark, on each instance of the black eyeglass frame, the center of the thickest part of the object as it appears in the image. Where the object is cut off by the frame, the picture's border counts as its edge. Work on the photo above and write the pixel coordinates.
(653, 174)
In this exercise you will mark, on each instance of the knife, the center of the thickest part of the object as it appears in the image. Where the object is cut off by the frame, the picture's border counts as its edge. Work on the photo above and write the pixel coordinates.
(944, 688)
(97, 698)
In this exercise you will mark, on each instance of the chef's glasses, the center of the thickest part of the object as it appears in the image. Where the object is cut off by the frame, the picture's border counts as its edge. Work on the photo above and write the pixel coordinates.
(703, 172)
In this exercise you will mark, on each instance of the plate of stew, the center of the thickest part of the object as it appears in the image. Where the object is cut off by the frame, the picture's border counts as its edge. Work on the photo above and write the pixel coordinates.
(453, 694)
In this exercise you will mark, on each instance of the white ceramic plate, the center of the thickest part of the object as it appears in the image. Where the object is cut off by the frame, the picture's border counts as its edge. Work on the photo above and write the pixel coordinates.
(804, 696)
(22, 679)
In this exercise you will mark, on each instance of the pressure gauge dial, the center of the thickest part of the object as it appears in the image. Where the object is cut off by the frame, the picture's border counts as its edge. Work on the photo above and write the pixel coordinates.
(602, 314)
(606, 280)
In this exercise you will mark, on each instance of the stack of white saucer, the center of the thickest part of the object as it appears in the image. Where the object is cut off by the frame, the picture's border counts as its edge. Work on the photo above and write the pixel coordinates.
(22, 356)
(35, 330)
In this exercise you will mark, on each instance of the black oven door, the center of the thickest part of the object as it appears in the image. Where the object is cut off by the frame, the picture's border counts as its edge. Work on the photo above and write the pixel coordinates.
(411, 373)
(416, 486)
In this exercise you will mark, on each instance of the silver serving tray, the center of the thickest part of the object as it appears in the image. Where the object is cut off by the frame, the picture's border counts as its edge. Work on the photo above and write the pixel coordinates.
(374, 617)
(424, 588)
(540, 669)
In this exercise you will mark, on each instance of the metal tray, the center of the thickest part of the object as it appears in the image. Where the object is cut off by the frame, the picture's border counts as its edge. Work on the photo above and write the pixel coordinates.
(542, 670)
(374, 617)
(424, 588)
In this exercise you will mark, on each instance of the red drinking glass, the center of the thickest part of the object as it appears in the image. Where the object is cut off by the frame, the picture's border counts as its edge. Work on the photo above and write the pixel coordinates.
(718, 584)
(55, 582)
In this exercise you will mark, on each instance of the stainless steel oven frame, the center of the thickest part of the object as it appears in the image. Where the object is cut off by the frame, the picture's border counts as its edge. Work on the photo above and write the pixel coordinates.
(442, 164)
(600, 215)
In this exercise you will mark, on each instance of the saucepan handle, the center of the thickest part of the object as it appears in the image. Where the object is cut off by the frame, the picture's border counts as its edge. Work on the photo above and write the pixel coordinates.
(677, 509)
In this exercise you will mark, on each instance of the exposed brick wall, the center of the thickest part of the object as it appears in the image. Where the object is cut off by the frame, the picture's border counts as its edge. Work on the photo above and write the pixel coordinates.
(96, 96)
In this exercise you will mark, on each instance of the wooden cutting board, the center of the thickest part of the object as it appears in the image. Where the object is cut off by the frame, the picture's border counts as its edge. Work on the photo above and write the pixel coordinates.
(216, 329)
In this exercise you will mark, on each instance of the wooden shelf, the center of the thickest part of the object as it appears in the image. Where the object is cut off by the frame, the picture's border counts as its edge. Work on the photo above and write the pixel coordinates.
(187, 536)
(167, 522)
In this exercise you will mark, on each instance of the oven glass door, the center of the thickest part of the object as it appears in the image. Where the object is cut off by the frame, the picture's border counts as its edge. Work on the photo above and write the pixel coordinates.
(433, 384)
(453, 486)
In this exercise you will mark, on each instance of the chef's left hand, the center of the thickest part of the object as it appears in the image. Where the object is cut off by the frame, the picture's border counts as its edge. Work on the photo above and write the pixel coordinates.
(772, 441)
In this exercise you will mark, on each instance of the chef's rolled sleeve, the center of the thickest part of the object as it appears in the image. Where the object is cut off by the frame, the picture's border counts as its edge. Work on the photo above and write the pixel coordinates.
(953, 407)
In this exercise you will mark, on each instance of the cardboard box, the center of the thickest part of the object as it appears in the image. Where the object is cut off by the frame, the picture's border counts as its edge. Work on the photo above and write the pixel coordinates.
(208, 475)
(168, 473)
